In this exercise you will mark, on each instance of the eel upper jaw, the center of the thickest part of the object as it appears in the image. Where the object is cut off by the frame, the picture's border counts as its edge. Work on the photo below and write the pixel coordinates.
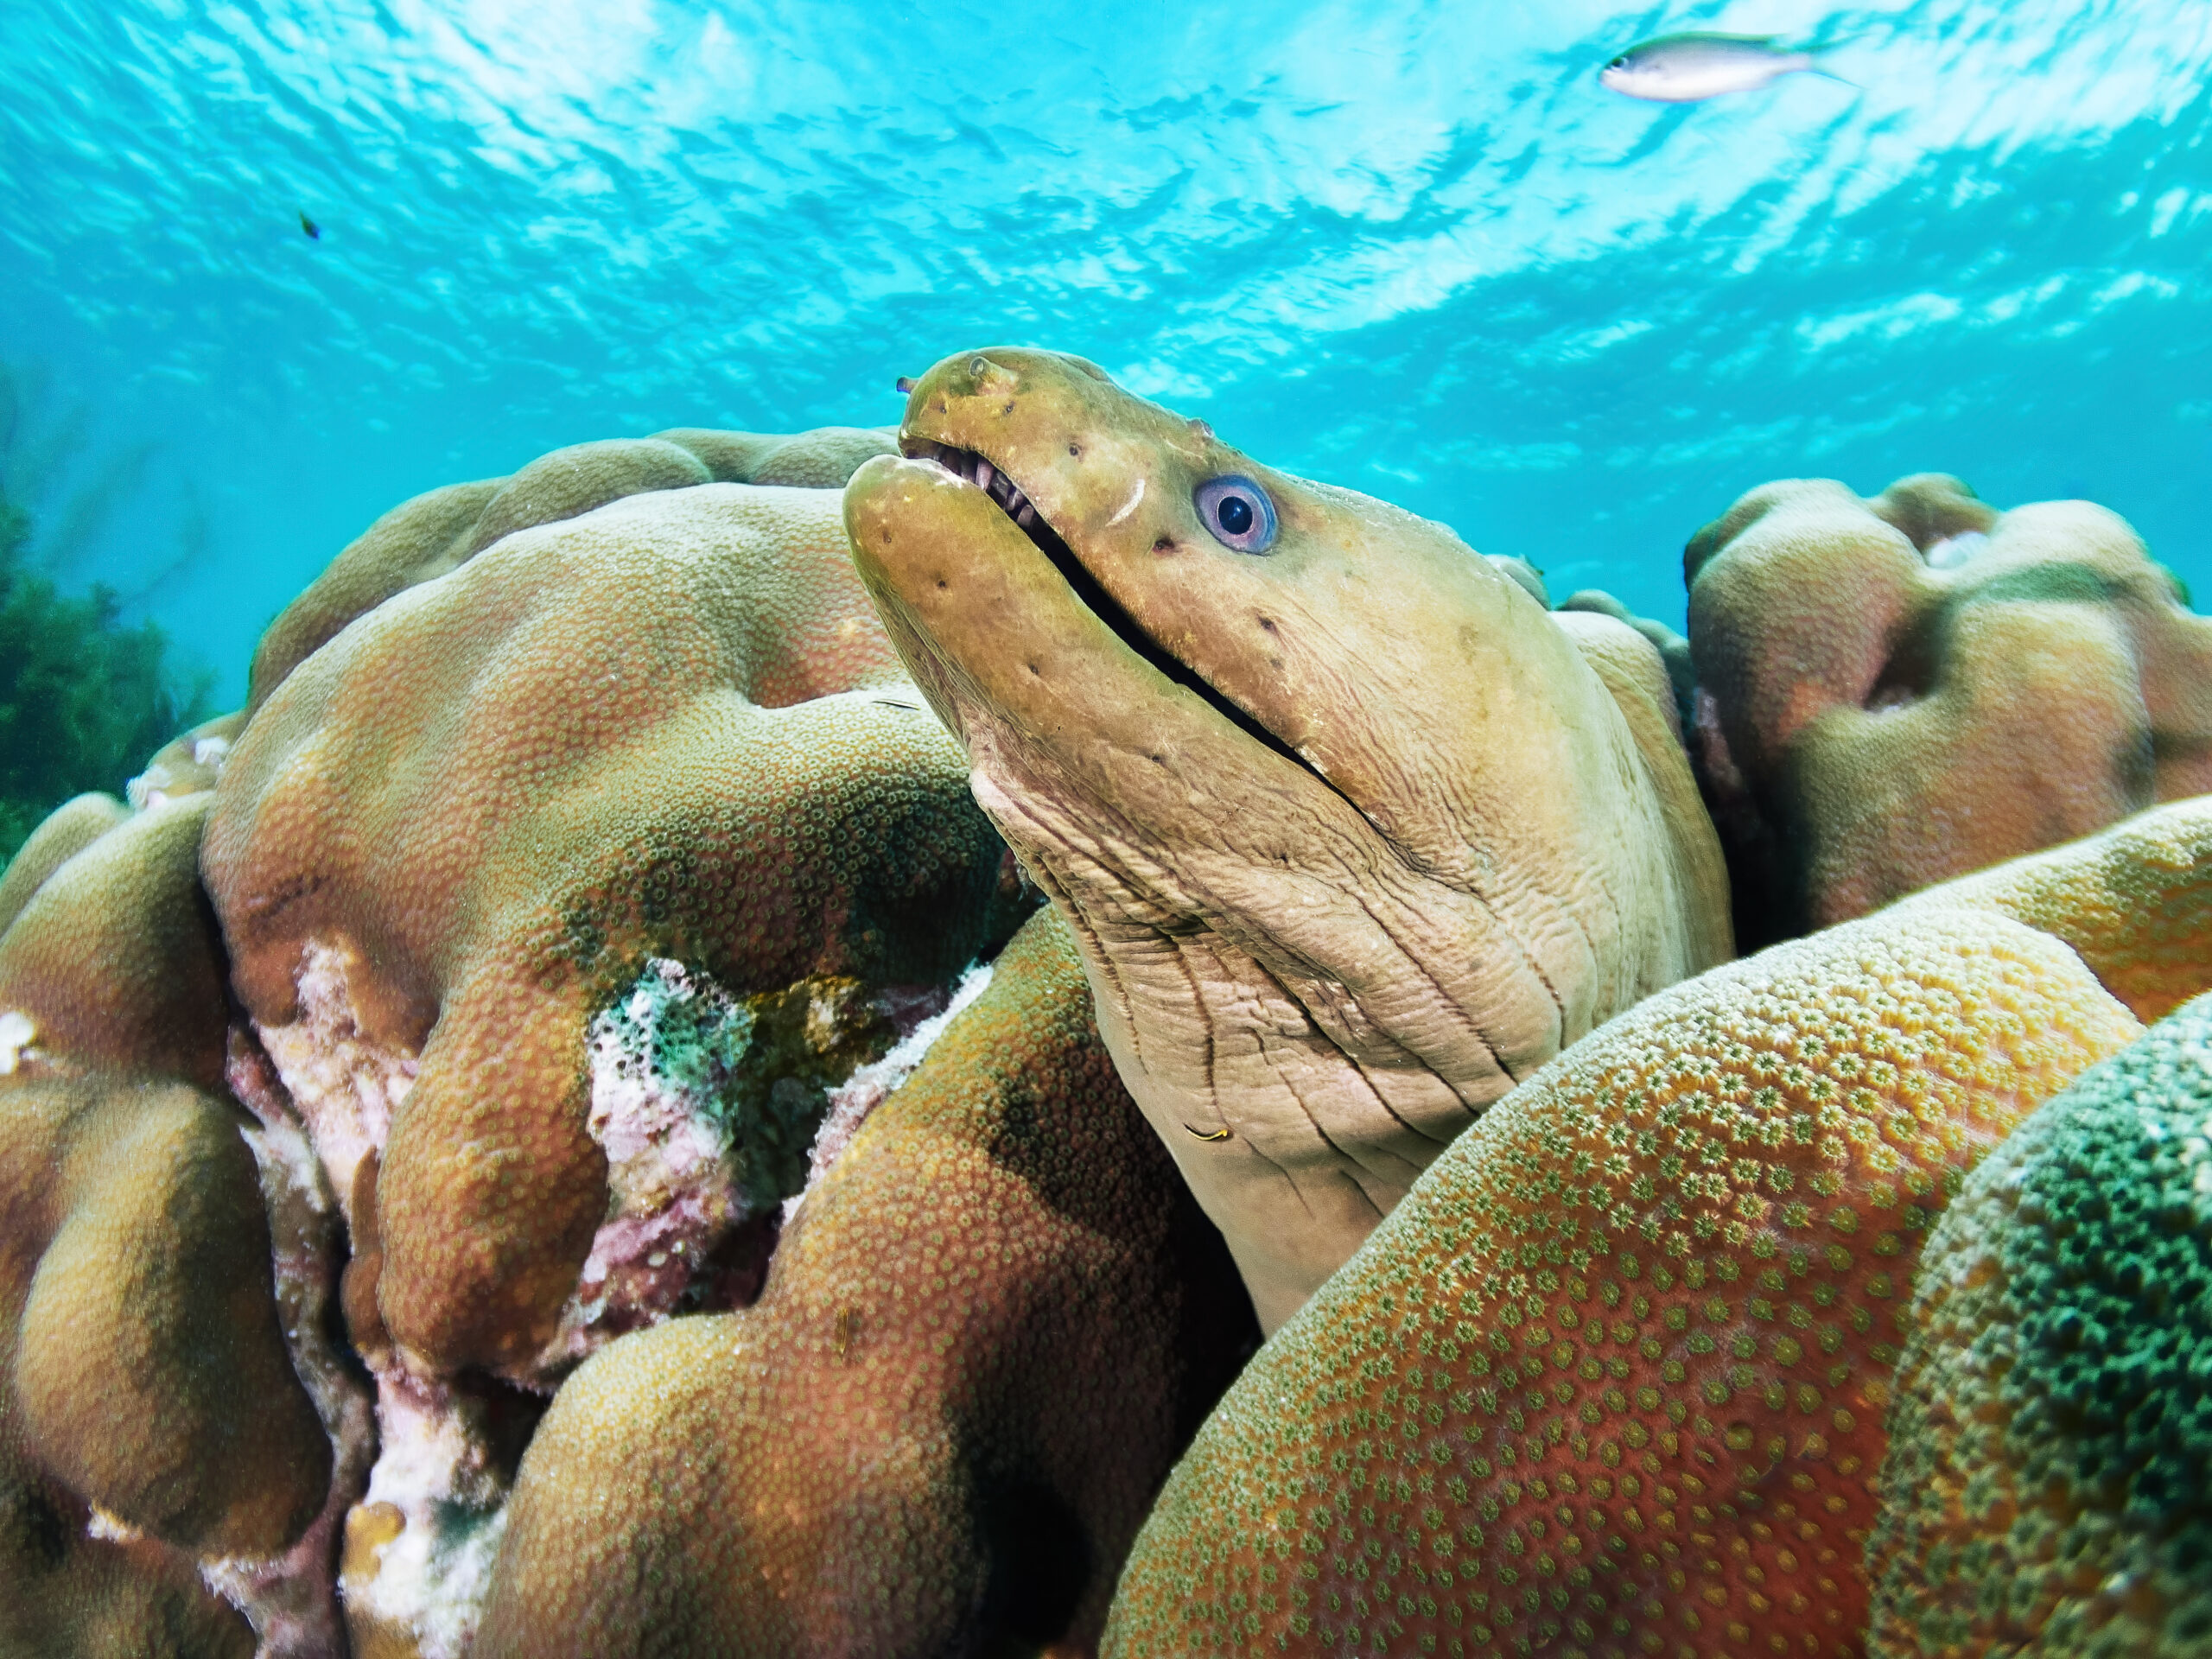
(973, 467)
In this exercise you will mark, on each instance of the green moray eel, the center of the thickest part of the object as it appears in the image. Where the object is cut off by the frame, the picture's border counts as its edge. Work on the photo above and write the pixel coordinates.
(1352, 833)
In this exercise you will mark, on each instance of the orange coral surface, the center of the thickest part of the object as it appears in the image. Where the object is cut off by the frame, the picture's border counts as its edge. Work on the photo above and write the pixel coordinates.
(1612, 1376)
(148, 1409)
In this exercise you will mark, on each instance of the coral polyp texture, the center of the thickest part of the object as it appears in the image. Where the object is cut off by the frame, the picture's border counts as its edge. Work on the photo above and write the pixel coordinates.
(437, 530)
(561, 890)
(1611, 1380)
(2133, 903)
(153, 1428)
(2047, 1489)
(991, 1325)
(1352, 833)
(1900, 690)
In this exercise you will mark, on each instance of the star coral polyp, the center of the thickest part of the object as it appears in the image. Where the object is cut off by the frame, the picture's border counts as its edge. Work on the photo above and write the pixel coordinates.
(1611, 1380)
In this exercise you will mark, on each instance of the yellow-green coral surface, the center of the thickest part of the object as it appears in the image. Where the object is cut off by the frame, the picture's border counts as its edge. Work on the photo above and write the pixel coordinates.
(668, 729)
(434, 532)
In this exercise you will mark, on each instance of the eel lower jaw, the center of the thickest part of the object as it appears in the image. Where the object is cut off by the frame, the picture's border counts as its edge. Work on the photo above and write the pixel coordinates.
(1007, 496)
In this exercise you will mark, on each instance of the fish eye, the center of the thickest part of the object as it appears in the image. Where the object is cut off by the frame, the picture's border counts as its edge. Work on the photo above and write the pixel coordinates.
(1618, 63)
(1236, 514)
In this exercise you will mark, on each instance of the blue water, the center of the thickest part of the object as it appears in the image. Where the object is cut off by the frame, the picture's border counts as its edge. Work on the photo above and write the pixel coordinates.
(1414, 248)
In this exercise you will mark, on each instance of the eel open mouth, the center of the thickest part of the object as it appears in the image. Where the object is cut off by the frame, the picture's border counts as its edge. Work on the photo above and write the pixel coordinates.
(1007, 496)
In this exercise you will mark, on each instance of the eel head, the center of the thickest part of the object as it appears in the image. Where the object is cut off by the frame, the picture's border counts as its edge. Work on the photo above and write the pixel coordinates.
(1352, 836)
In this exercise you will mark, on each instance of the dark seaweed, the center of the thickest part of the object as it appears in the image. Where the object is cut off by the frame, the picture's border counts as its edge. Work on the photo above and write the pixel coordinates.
(85, 699)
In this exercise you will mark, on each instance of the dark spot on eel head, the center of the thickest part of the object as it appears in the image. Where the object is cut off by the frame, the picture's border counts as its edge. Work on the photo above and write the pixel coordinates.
(1164, 544)
(1269, 623)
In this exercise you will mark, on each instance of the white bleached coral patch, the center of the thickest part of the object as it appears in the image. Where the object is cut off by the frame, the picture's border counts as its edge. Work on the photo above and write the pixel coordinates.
(852, 1101)
(421, 1546)
(291, 1598)
(663, 1061)
(344, 1085)
(158, 783)
(110, 1528)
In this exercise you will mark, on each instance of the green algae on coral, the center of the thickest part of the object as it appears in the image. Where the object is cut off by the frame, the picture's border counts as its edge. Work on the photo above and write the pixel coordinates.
(993, 1320)
(2047, 1489)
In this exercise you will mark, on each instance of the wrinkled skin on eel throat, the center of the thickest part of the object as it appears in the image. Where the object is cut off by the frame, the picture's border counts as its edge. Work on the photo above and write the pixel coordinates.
(1351, 834)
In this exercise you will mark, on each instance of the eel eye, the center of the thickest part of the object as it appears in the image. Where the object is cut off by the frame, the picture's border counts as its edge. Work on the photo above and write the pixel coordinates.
(1236, 513)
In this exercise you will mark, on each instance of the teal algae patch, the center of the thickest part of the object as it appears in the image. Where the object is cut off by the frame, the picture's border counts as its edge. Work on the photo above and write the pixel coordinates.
(707, 1103)
(2048, 1484)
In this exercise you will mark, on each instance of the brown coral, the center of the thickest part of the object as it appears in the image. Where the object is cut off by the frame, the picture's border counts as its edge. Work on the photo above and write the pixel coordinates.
(559, 889)
(668, 729)
(1610, 1379)
(984, 1338)
(145, 1384)
(1898, 691)
(435, 532)
(2047, 1489)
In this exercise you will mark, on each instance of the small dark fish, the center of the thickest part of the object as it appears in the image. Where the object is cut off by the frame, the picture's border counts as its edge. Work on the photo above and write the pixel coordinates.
(314, 231)
(904, 384)
(1684, 69)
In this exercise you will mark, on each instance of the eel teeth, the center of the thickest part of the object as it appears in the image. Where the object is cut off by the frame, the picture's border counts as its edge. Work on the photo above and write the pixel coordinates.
(966, 463)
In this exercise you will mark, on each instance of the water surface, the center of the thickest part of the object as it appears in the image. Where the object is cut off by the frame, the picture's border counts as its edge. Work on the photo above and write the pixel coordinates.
(1414, 249)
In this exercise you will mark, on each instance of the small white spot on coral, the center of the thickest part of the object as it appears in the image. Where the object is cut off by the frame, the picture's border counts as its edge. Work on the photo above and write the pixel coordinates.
(110, 1528)
(1955, 550)
(16, 1033)
(149, 788)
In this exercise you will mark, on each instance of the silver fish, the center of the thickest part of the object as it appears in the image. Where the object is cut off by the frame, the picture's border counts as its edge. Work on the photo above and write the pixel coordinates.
(1684, 68)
